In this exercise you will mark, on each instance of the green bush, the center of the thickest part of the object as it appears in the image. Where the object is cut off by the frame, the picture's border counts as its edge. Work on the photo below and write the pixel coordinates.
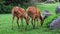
(5, 9)
(7, 5)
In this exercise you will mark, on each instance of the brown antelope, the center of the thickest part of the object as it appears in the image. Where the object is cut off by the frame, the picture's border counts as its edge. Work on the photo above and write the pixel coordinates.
(35, 14)
(19, 13)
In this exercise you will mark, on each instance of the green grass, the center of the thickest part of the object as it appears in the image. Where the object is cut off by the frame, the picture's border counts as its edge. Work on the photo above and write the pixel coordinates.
(6, 23)
(50, 7)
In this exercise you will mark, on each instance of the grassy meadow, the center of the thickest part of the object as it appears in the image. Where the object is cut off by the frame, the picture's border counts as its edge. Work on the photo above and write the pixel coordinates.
(6, 23)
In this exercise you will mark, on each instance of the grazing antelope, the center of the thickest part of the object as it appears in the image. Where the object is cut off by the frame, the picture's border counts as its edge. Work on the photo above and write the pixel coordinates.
(35, 14)
(19, 13)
